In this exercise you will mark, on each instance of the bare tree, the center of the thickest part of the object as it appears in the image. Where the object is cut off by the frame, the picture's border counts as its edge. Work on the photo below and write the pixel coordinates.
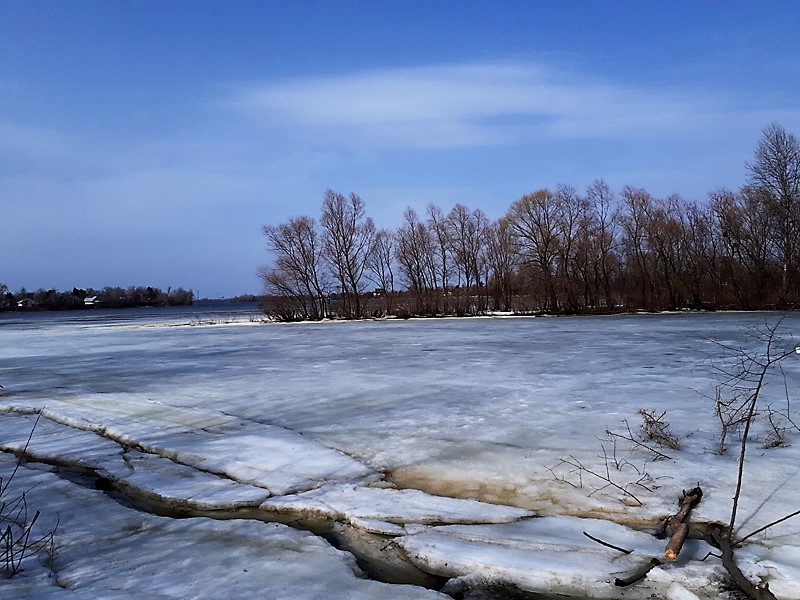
(467, 231)
(572, 210)
(667, 237)
(604, 224)
(776, 170)
(534, 219)
(347, 241)
(381, 263)
(503, 262)
(416, 256)
(297, 275)
(703, 254)
(438, 227)
(744, 230)
(635, 242)
(570, 252)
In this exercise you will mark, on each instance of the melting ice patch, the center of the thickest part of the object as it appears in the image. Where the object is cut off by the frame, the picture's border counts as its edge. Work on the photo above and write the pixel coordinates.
(279, 460)
(400, 507)
(301, 422)
(104, 550)
(546, 555)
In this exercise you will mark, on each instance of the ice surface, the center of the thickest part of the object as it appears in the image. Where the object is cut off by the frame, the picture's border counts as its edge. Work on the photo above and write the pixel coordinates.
(677, 592)
(364, 504)
(104, 550)
(548, 554)
(778, 565)
(430, 442)
(174, 484)
(274, 458)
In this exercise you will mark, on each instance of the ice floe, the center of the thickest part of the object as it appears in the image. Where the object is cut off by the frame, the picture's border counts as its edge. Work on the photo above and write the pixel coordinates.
(422, 453)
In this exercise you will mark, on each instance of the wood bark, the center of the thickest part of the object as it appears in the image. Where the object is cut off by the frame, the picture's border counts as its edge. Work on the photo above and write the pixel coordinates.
(676, 527)
(638, 574)
(743, 583)
(676, 541)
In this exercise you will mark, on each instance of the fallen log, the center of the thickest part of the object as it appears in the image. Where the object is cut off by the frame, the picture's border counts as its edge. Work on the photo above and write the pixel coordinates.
(676, 541)
(676, 527)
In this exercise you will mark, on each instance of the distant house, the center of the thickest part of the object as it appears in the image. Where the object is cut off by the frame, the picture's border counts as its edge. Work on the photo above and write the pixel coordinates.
(25, 304)
(91, 301)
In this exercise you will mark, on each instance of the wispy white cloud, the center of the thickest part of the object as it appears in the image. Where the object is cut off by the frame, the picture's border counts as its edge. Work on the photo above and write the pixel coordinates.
(453, 106)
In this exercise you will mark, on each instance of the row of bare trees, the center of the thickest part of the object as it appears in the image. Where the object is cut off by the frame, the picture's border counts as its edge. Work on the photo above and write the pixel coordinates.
(554, 250)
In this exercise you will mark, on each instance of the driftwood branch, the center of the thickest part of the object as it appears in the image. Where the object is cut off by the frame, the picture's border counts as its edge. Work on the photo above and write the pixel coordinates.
(638, 574)
(676, 541)
(743, 583)
(676, 526)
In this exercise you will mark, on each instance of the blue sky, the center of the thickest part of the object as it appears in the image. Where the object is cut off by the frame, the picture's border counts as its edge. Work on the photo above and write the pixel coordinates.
(146, 143)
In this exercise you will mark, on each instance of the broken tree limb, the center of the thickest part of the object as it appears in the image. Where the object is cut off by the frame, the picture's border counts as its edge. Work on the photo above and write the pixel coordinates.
(676, 527)
(637, 574)
(743, 583)
(676, 541)
(765, 527)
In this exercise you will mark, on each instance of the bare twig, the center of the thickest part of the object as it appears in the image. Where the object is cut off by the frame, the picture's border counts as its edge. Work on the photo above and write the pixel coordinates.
(638, 443)
(15, 538)
(4, 486)
(744, 377)
(739, 541)
(606, 544)
(756, 369)
(579, 468)
(638, 574)
(655, 428)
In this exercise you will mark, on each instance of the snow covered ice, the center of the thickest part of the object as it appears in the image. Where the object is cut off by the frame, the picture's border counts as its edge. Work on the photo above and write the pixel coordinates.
(186, 456)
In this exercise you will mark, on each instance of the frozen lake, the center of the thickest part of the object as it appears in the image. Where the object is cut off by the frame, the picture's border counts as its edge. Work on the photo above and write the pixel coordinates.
(422, 447)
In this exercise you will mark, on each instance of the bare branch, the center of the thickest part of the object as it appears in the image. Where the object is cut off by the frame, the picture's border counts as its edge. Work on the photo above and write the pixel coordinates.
(740, 540)
(606, 544)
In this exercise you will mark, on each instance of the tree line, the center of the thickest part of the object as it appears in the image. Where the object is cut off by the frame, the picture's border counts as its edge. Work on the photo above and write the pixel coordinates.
(78, 299)
(554, 251)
